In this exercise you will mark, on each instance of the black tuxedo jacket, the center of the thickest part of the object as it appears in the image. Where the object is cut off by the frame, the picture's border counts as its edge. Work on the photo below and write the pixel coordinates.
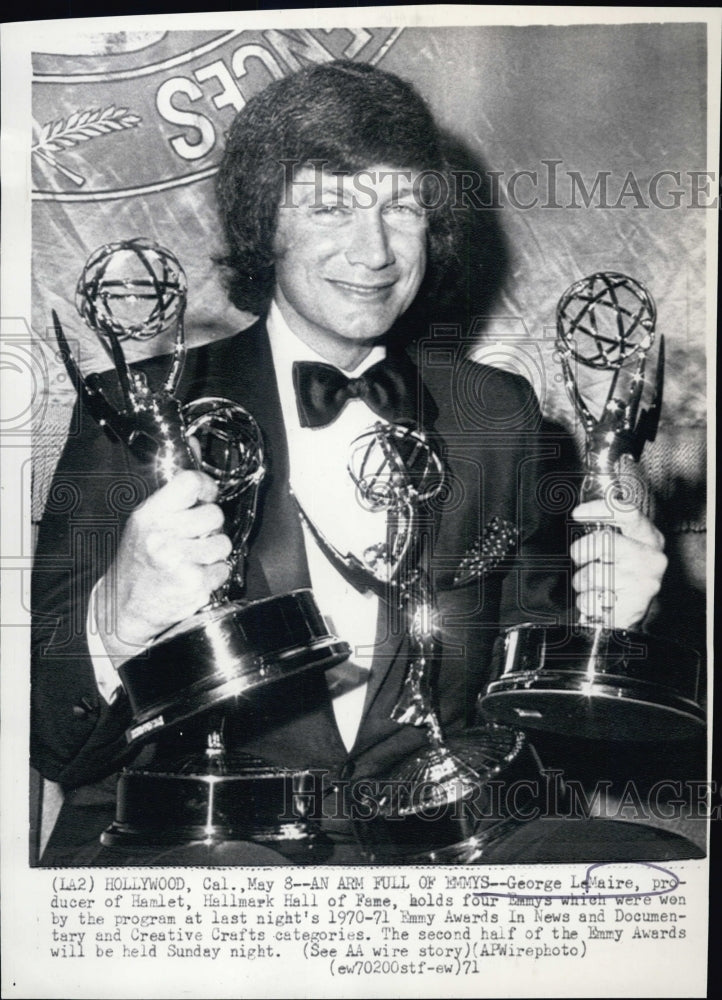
(489, 425)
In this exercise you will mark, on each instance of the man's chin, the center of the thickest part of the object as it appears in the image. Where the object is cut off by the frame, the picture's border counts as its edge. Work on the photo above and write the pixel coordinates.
(367, 329)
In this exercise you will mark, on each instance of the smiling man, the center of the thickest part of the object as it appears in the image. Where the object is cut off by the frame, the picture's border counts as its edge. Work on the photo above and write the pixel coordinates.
(337, 241)
(348, 264)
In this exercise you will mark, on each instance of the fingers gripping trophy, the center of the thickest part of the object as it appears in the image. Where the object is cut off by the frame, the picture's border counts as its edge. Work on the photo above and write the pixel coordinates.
(137, 290)
(592, 679)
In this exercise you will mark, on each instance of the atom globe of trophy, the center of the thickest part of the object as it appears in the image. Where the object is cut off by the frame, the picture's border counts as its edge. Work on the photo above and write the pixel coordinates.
(180, 686)
(591, 679)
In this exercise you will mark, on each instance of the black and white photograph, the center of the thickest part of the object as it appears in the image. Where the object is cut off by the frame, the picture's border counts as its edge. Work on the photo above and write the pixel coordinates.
(356, 559)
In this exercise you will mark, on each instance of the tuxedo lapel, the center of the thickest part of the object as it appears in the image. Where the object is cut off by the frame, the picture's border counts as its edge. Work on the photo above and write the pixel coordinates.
(277, 560)
(391, 648)
(241, 369)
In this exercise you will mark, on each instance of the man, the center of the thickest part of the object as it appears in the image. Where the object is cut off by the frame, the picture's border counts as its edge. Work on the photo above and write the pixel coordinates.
(325, 201)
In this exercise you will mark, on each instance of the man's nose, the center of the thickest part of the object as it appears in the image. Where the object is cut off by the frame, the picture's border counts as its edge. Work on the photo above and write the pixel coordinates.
(369, 243)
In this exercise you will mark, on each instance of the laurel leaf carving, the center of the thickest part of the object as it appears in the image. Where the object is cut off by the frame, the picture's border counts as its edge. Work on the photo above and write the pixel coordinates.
(65, 133)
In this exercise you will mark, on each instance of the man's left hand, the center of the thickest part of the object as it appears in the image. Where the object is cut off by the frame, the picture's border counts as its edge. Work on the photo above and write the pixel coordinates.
(617, 572)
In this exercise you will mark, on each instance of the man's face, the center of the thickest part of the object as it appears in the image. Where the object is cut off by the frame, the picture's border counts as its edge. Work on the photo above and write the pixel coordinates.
(350, 257)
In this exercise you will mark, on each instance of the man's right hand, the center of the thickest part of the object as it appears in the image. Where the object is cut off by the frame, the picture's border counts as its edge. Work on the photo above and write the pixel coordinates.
(170, 558)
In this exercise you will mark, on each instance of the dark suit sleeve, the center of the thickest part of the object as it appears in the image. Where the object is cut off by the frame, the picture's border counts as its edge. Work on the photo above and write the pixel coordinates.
(76, 737)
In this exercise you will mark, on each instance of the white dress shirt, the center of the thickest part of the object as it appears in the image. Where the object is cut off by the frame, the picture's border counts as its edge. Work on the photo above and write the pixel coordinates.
(318, 459)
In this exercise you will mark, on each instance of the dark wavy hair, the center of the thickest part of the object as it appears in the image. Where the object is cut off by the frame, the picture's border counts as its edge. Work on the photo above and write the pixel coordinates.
(350, 116)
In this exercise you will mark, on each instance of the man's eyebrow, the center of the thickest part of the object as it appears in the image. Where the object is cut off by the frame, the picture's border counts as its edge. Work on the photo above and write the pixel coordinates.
(403, 185)
(308, 192)
(404, 191)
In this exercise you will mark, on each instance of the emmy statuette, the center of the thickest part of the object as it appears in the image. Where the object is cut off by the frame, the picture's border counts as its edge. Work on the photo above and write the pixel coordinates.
(591, 679)
(439, 807)
(228, 649)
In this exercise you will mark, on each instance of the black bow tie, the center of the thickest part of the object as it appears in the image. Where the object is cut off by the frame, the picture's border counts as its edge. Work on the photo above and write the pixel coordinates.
(389, 388)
